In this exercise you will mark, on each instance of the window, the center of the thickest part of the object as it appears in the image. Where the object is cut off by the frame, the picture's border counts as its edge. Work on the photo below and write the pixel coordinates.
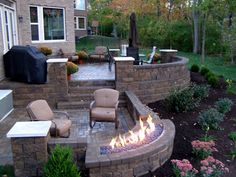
(47, 24)
(80, 23)
(79, 4)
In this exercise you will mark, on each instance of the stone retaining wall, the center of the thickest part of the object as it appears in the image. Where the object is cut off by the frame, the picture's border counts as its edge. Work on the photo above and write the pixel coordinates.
(152, 82)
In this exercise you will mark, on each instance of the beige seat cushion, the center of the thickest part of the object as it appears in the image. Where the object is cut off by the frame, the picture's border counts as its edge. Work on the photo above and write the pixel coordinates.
(63, 125)
(103, 114)
(106, 98)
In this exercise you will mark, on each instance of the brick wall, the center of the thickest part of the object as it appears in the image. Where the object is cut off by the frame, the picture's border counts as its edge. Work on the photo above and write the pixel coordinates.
(24, 29)
(152, 82)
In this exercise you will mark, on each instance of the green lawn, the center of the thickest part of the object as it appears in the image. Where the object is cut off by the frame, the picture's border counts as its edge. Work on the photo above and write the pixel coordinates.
(90, 42)
(215, 64)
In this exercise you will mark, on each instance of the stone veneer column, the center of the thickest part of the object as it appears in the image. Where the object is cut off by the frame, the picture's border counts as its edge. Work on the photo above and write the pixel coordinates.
(29, 147)
(57, 79)
(167, 54)
(124, 73)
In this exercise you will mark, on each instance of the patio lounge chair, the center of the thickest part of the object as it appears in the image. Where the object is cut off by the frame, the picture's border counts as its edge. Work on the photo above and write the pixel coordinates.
(99, 54)
(104, 107)
(40, 110)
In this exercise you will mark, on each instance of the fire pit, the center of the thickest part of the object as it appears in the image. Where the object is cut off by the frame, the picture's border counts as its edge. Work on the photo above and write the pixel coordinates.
(148, 132)
(132, 159)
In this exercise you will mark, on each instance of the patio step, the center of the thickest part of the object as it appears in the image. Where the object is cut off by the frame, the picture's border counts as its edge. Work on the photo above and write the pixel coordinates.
(81, 104)
(91, 83)
(81, 93)
(86, 89)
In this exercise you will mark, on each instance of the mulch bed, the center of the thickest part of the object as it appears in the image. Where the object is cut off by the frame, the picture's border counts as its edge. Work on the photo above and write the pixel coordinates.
(188, 130)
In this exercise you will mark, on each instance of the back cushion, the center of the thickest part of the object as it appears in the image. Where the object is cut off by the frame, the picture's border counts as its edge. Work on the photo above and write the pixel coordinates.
(106, 97)
(100, 50)
(40, 110)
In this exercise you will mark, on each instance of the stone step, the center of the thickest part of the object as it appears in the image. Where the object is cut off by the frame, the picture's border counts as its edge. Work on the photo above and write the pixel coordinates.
(81, 97)
(87, 89)
(91, 83)
(85, 97)
(80, 104)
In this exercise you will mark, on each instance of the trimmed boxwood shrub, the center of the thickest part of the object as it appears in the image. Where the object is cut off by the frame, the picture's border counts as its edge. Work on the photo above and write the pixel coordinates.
(213, 80)
(204, 71)
(195, 68)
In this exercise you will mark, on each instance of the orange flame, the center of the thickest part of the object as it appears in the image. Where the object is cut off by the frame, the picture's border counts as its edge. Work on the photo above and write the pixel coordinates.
(134, 137)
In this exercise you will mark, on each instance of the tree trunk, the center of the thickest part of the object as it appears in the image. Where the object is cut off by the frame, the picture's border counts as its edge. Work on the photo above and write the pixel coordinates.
(195, 14)
(158, 8)
(203, 38)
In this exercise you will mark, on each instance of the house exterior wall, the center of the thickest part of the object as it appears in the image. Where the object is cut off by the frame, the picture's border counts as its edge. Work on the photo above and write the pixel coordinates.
(82, 13)
(2, 73)
(24, 29)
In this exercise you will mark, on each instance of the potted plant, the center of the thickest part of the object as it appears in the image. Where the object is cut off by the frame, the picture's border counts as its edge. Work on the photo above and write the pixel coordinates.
(46, 50)
(71, 69)
(83, 56)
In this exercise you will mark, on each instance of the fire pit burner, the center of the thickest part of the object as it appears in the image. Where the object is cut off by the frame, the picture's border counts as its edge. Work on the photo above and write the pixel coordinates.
(148, 139)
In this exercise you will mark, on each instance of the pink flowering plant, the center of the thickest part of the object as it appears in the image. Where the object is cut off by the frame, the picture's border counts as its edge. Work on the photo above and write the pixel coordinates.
(211, 167)
(203, 149)
(183, 168)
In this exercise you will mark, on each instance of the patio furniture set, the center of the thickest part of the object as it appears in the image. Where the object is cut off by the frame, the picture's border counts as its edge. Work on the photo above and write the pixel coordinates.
(102, 109)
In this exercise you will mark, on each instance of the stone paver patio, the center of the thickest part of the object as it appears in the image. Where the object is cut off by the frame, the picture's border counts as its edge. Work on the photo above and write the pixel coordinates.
(80, 131)
(94, 71)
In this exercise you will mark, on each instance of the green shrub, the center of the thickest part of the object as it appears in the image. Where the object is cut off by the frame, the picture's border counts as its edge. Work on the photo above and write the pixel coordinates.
(195, 68)
(204, 71)
(224, 105)
(210, 118)
(7, 170)
(232, 136)
(181, 100)
(209, 74)
(60, 164)
(213, 80)
(200, 91)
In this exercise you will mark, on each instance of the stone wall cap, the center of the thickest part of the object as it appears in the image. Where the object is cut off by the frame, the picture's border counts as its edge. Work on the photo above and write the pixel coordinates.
(29, 129)
(57, 60)
(123, 58)
(168, 50)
